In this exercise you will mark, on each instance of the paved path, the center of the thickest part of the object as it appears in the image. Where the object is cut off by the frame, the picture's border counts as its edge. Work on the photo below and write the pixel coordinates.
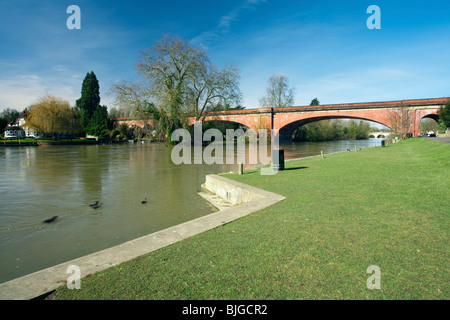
(447, 140)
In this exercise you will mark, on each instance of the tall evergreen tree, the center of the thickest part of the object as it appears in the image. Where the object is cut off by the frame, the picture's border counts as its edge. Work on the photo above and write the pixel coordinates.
(3, 124)
(99, 121)
(93, 116)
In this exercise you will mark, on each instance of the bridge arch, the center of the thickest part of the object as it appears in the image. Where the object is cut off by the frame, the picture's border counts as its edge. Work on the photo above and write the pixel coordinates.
(249, 119)
(433, 116)
(288, 130)
(221, 125)
(220, 121)
(424, 114)
(424, 127)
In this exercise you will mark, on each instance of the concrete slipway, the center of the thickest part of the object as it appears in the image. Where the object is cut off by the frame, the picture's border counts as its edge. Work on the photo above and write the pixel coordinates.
(233, 199)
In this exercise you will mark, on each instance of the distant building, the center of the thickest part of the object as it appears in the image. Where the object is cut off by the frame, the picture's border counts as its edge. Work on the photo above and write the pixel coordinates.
(22, 130)
(28, 132)
(14, 132)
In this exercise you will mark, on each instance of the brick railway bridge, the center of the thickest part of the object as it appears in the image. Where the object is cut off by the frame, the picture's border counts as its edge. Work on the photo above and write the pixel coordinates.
(286, 120)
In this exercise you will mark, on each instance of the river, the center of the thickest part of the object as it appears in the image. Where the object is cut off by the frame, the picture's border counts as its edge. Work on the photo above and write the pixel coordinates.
(37, 183)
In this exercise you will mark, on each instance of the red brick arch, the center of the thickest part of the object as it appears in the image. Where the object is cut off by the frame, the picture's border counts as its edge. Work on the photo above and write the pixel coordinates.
(251, 118)
(287, 124)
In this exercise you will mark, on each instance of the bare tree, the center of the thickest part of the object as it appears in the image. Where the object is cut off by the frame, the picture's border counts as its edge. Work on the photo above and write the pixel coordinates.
(167, 68)
(278, 93)
(210, 87)
(400, 121)
(179, 79)
(132, 98)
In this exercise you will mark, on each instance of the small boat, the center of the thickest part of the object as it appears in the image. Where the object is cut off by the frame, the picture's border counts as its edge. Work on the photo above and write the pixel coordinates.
(50, 220)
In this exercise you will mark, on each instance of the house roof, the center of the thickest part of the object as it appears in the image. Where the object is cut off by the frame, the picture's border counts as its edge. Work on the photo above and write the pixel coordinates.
(13, 128)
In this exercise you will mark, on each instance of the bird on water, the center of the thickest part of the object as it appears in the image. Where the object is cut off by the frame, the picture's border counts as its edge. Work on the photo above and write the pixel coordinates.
(144, 201)
(50, 220)
(95, 205)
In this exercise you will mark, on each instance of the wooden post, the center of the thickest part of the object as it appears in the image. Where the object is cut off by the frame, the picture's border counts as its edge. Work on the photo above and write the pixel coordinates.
(321, 152)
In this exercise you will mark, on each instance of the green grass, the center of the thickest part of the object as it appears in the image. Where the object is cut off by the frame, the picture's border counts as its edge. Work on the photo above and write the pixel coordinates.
(381, 206)
(24, 140)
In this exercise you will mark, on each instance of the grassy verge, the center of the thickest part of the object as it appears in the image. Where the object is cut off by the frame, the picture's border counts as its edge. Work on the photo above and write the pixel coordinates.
(382, 206)
(31, 140)
(14, 141)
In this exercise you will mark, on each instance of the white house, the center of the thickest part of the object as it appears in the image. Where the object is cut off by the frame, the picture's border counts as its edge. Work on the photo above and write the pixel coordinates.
(28, 132)
(14, 132)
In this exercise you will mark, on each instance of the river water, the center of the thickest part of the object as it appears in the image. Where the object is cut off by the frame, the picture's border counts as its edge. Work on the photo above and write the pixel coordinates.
(37, 183)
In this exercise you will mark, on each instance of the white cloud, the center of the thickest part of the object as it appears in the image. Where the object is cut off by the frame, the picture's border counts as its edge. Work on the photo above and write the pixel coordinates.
(21, 91)
(225, 22)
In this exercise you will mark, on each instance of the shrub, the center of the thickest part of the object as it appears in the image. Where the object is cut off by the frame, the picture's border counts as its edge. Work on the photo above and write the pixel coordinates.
(105, 133)
(114, 133)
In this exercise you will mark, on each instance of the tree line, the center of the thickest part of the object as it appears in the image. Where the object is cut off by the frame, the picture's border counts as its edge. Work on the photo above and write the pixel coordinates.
(327, 130)
(54, 116)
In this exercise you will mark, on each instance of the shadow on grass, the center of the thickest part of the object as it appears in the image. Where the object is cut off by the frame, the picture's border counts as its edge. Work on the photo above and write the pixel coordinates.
(295, 168)
(285, 169)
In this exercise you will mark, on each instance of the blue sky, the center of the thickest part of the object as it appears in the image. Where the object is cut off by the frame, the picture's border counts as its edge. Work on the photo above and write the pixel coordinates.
(323, 47)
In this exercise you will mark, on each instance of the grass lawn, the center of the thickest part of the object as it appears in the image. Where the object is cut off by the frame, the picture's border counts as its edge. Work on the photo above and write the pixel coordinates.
(387, 207)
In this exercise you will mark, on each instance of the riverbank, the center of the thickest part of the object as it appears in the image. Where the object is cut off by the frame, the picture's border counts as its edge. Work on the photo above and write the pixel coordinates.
(61, 142)
(342, 213)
